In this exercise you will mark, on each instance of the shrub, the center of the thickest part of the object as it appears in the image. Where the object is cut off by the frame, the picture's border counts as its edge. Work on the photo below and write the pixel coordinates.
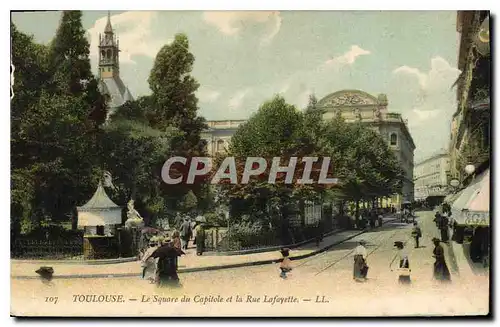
(214, 219)
(53, 233)
(248, 235)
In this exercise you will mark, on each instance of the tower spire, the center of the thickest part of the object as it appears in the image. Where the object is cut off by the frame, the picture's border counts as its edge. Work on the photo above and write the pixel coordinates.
(108, 28)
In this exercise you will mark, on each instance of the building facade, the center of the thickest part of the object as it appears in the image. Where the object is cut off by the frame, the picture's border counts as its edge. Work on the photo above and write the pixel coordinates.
(470, 137)
(218, 135)
(431, 176)
(110, 83)
(470, 127)
(359, 106)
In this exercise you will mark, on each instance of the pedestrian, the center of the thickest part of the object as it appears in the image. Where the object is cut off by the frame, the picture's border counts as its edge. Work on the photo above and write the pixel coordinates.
(380, 220)
(444, 228)
(360, 269)
(373, 219)
(176, 243)
(166, 255)
(193, 228)
(178, 221)
(185, 233)
(441, 271)
(437, 219)
(416, 233)
(404, 263)
(200, 239)
(149, 264)
(286, 264)
(319, 232)
(190, 233)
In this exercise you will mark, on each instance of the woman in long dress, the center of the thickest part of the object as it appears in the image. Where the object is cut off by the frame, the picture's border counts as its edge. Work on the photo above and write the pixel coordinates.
(200, 239)
(149, 264)
(441, 271)
(360, 268)
(403, 263)
(167, 264)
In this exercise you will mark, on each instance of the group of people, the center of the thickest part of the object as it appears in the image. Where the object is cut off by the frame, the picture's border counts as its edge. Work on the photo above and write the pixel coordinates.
(372, 217)
(160, 260)
(192, 230)
(441, 271)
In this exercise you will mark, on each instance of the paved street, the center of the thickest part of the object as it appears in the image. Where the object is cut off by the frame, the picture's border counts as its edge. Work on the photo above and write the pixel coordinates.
(324, 277)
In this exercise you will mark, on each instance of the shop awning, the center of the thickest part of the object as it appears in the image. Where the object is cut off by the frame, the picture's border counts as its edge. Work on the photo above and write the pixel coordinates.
(472, 207)
(450, 198)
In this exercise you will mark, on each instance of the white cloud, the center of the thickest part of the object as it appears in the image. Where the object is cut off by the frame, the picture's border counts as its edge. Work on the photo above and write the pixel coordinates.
(285, 87)
(423, 115)
(349, 57)
(422, 78)
(208, 95)
(440, 74)
(428, 102)
(303, 98)
(134, 30)
(232, 22)
(236, 100)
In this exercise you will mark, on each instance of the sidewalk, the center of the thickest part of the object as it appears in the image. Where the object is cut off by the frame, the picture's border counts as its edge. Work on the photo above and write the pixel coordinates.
(466, 268)
(188, 263)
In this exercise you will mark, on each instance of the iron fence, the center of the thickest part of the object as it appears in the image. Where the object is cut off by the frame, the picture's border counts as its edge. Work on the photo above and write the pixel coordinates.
(53, 250)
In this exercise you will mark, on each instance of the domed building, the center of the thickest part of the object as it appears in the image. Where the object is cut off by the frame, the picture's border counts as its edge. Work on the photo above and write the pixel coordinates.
(359, 106)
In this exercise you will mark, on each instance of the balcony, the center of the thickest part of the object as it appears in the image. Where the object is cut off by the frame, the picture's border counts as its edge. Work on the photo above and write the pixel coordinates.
(393, 116)
(224, 124)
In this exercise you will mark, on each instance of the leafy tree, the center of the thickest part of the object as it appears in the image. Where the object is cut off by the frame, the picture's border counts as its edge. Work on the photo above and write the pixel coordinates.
(173, 103)
(276, 130)
(365, 164)
(56, 110)
(69, 62)
(173, 100)
(135, 153)
(189, 202)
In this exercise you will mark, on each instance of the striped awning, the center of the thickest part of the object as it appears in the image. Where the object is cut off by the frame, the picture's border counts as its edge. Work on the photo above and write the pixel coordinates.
(472, 207)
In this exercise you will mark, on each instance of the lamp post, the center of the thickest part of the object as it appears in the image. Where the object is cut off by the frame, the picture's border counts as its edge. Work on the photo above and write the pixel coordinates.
(469, 169)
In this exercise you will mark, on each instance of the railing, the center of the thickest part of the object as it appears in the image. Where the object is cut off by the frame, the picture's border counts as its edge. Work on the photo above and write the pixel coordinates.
(54, 250)
(225, 123)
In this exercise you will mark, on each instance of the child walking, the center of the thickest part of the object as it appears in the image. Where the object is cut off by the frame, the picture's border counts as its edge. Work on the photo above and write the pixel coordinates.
(286, 264)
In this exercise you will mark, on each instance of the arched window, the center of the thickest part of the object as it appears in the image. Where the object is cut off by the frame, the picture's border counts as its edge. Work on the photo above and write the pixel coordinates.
(394, 139)
(103, 54)
(108, 54)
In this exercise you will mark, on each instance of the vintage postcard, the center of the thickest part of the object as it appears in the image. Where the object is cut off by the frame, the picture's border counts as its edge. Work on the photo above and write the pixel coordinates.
(250, 163)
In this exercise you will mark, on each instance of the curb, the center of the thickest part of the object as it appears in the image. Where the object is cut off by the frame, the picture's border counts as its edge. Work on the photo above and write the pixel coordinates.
(271, 248)
(79, 262)
(210, 268)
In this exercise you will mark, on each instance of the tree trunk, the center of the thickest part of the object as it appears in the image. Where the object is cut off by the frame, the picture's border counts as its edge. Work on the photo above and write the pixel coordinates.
(356, 213)
(285, 223)
(74, 219)
(302, 213)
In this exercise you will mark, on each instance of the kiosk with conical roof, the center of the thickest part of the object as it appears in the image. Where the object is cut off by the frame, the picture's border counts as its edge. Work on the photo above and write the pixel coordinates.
(99, 218)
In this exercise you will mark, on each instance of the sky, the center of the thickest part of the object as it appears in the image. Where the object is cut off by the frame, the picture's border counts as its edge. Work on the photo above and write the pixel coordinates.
(244, 58)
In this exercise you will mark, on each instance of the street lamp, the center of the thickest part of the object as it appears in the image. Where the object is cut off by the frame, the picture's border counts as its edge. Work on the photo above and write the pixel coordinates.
(469, 169)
